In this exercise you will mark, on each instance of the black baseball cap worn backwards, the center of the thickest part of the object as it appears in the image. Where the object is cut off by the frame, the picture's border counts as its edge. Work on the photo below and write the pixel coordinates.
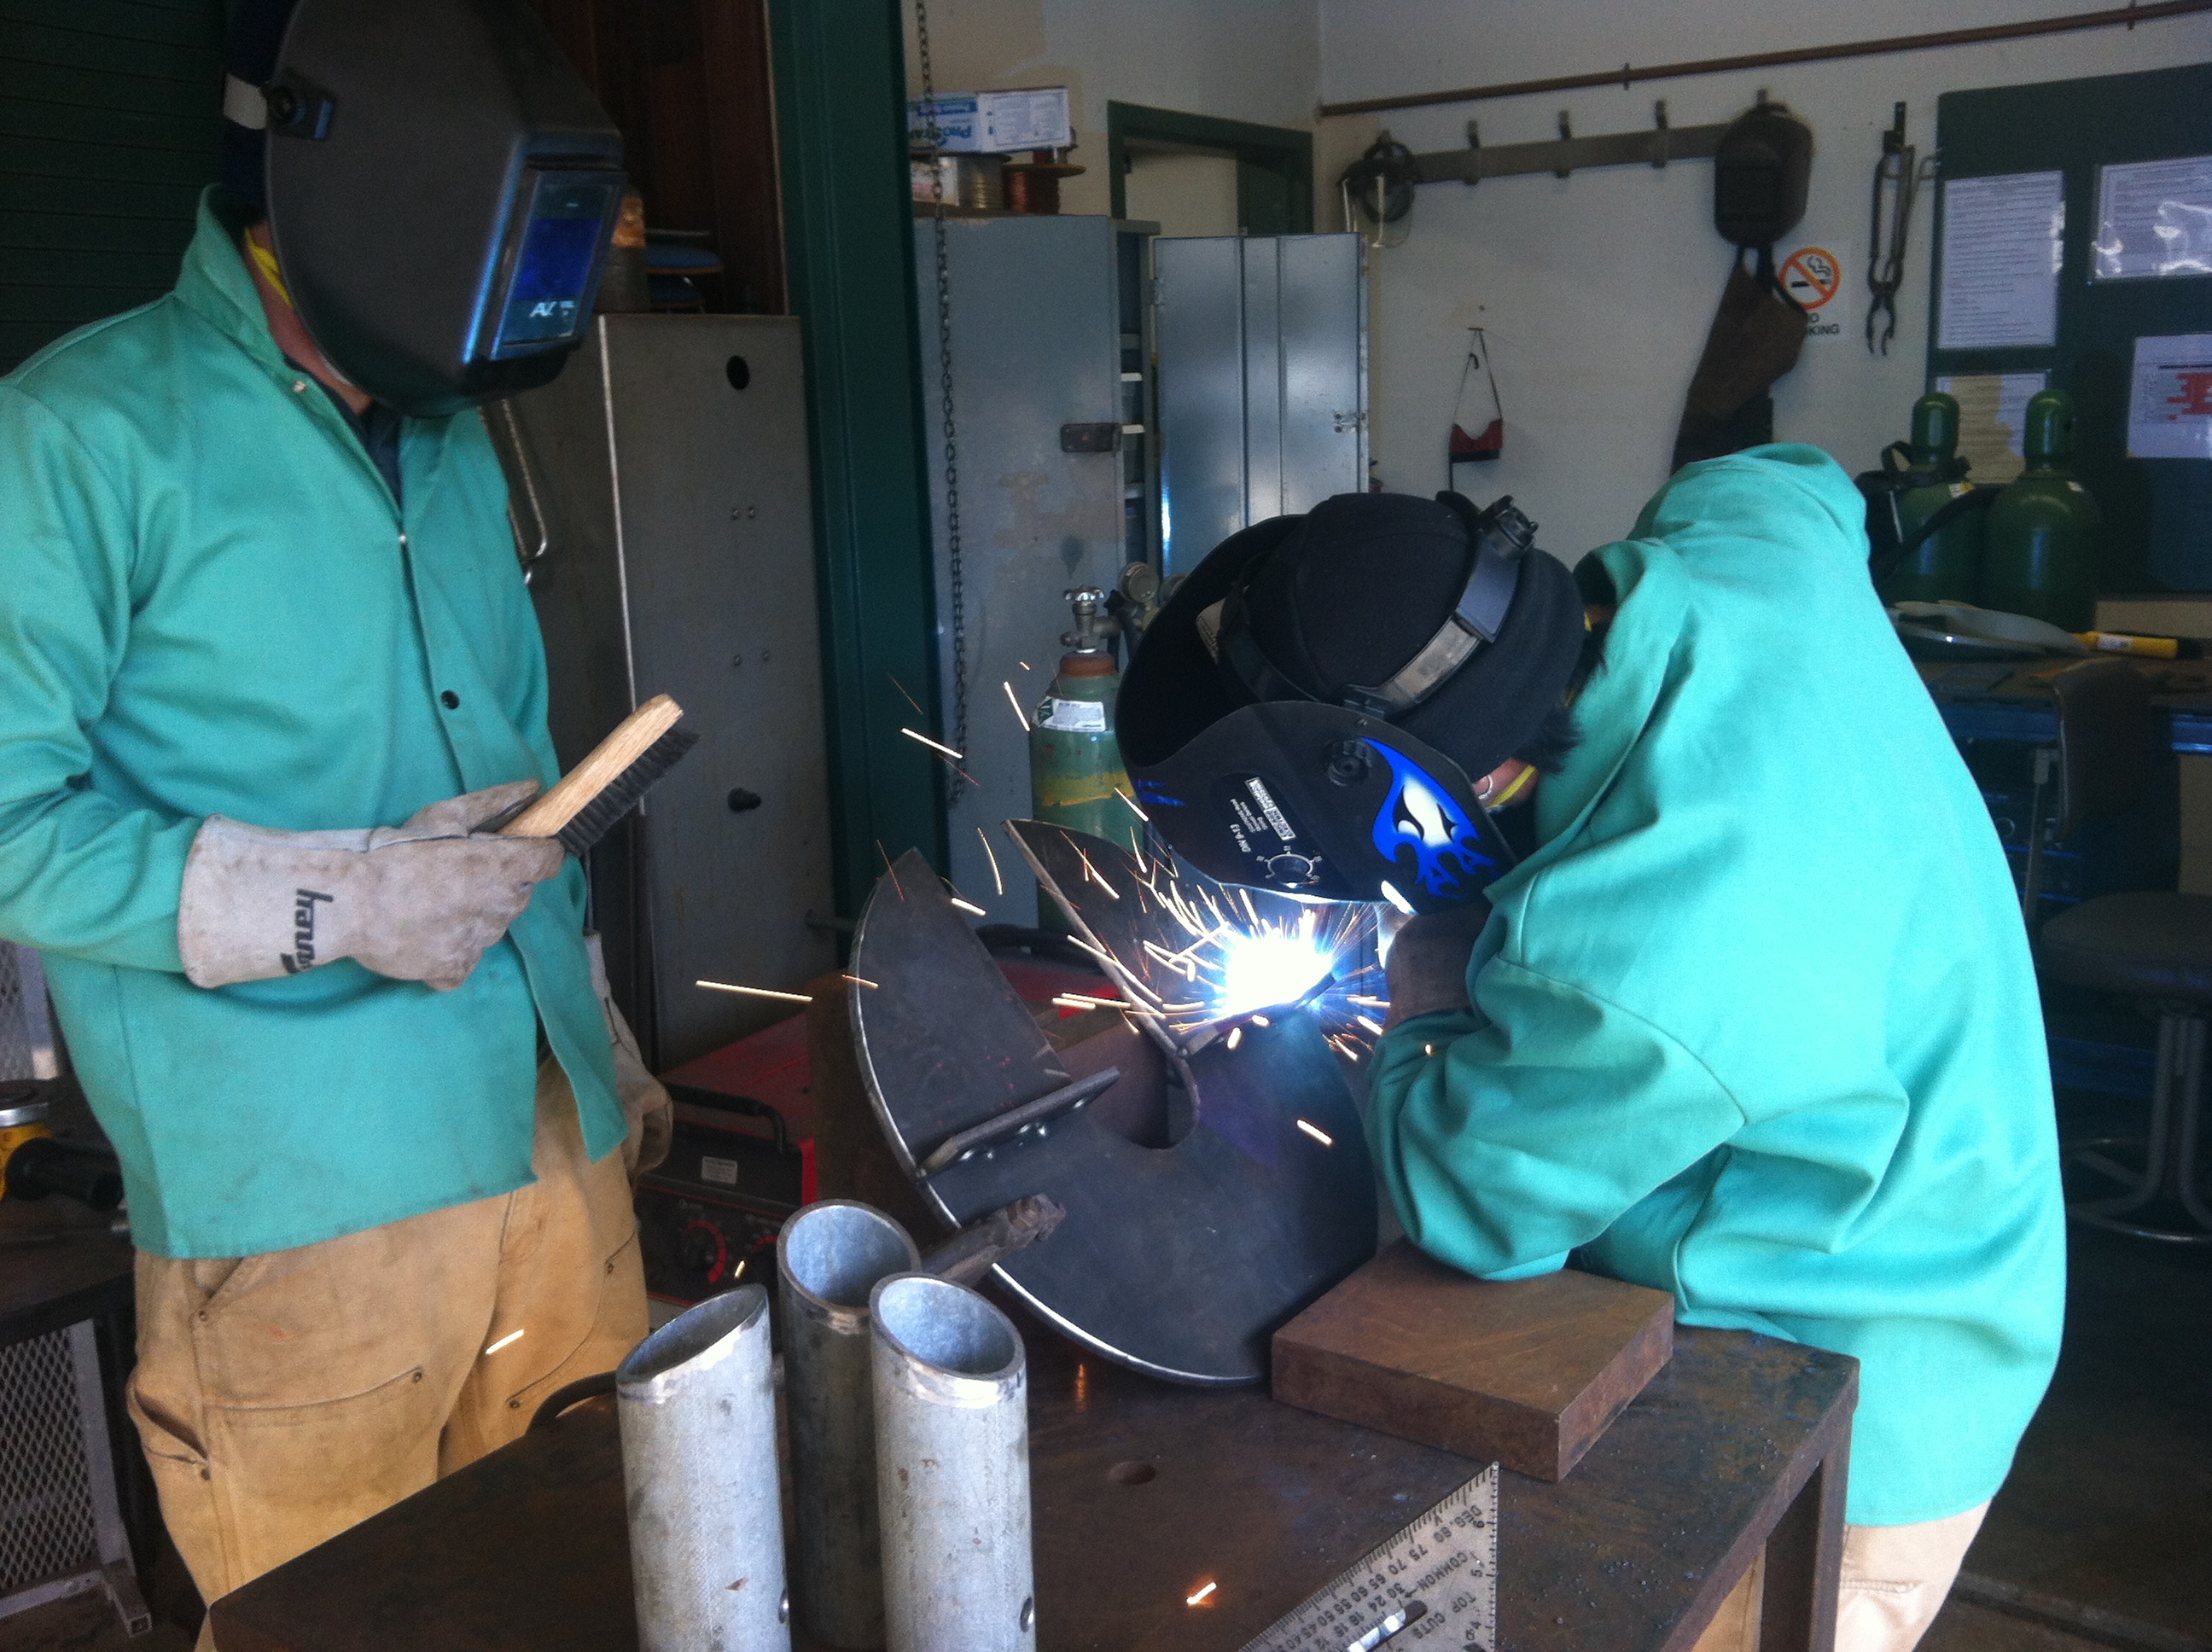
(1311, 710)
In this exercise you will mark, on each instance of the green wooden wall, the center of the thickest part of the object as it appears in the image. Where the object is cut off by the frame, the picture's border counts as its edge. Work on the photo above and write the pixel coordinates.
(109, 116)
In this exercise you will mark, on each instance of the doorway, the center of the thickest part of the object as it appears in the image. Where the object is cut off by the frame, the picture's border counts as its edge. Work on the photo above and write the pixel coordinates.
(1196, 175)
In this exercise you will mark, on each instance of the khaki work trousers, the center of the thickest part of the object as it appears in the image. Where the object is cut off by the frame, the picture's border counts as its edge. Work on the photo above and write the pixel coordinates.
(285, 1397)
(1895, 1581)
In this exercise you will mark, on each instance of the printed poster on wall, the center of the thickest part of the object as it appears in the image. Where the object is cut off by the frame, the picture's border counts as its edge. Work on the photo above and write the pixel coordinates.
(2003, 239)
(1992, 418)
(2154, 219)
(2170, 406)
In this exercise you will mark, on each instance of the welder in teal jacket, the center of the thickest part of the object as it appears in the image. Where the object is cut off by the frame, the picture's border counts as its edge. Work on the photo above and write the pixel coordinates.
(1756, 1022)
(375, 1229)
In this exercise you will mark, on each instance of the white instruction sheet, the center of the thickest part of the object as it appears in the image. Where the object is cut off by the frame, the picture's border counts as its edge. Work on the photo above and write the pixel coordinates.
(2154, 218)
(2170, 406)
(2001, 242)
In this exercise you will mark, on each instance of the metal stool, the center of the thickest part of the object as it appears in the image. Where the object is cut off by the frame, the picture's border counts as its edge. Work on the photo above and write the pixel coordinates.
(2155, 946)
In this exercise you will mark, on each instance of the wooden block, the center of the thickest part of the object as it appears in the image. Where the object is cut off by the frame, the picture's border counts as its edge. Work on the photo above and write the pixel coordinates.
(1527, 1373)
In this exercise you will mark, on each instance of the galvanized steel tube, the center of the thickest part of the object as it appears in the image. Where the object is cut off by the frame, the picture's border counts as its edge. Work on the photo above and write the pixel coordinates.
(829, 1257)
(952, 1469)
(696, 1401)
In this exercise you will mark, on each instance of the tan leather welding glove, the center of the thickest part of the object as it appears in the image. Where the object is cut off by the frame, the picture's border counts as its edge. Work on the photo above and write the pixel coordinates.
(420, 902)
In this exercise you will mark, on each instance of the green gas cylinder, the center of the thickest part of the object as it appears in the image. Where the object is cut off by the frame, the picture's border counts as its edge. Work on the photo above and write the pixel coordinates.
(1939, 527)
(2040, 551)
(1076, 777)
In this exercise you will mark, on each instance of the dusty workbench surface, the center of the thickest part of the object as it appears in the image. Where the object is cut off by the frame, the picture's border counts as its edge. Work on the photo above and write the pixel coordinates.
(1146, 1492)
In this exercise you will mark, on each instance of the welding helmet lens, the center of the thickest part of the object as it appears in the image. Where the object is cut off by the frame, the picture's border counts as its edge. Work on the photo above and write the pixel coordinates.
(1306, 713)
(441, 190)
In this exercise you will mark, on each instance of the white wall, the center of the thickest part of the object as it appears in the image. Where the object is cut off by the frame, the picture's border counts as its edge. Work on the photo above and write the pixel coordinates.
(1184, 194)
(1256, 60)
(1597, 290)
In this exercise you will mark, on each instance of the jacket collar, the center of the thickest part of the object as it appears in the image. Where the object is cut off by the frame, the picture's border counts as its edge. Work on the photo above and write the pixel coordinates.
(215, 285)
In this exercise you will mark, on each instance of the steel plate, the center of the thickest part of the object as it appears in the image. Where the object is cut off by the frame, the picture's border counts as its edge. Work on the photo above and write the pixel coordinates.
(1179, 1261)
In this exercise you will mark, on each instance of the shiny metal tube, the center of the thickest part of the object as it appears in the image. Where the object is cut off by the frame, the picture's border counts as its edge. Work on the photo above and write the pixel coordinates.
(828, 1258)
(952, 1460)
(696, 1403)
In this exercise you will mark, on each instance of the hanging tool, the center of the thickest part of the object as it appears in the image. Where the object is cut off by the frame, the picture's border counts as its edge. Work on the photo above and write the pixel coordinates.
(1439, 1573)
(1899, 174)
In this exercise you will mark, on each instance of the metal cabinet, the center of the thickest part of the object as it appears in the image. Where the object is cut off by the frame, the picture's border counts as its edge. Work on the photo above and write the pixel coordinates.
(1051, 447)
(663, 476)
(1262, 381)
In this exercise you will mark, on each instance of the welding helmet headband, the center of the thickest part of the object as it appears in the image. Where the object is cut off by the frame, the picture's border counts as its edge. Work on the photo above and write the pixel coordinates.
(441, 188)
(1289, 745)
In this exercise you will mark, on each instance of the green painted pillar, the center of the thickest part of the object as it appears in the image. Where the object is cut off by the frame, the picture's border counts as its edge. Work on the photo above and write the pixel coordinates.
(848, 217)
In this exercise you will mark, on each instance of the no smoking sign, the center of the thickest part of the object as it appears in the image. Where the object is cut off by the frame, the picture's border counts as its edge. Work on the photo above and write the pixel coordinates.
(1814, 274)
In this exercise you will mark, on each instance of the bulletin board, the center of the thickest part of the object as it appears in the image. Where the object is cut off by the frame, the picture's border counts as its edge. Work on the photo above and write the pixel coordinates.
(2073, 248)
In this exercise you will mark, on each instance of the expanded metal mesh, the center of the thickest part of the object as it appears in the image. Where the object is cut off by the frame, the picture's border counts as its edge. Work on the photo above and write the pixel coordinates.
(46, 1516)
(26, 1041)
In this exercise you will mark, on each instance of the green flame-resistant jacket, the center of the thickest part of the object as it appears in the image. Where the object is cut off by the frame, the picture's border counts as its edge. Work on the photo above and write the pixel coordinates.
(1757, 1023)
(209, 605)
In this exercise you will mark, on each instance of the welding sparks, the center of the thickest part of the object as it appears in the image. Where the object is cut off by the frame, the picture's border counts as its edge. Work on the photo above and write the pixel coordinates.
(935, 745)
(1317, 1133)
(512, 1336)
(754, 992)
(1016, 704)
(1390, 893)
(969, 906)
(909, 698)
(1369, 999)
(995, 878)
(1085, 1001)
(1235, 1037)
(1132, 802)
(861, 980)
(1371, 1024)
(1261, 1021)
(1199, 1599)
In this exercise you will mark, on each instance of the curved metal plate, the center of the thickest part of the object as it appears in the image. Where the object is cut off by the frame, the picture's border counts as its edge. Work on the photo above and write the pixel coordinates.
(1178, 1262)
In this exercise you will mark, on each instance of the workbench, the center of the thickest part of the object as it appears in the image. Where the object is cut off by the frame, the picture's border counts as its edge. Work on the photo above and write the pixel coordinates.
(1144, 1493)
(2007, 700)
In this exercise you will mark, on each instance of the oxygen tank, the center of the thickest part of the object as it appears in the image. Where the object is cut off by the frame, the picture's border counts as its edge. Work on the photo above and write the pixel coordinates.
(1076, 777)
(2039, 552)
(1939, 525)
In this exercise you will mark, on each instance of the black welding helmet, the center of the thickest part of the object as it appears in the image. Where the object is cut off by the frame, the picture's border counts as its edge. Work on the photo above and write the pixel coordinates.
(1312, 710)
(441, 188)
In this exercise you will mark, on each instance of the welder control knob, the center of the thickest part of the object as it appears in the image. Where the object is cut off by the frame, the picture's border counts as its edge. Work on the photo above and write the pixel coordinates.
(1347, 763)
(1505, 519)
(703, 1249)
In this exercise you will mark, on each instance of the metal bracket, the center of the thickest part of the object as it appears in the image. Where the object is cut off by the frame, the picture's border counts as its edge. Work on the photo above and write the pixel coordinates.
(1090, 438)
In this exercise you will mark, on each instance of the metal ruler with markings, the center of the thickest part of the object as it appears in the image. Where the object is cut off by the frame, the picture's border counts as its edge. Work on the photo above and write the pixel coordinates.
(1432, 1585)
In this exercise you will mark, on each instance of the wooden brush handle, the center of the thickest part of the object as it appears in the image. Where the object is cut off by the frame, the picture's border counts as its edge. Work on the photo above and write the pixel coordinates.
(632, 738)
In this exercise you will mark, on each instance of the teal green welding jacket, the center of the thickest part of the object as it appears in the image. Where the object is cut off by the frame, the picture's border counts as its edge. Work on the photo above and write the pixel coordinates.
(1756, 1024)
(210, 605)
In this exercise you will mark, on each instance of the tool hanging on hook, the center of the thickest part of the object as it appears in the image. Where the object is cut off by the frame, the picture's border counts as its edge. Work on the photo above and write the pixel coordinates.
(1899, 174)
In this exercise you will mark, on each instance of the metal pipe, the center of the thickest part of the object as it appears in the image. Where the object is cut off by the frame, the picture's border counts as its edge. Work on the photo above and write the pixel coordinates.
(696, 1405)
(1627, 75)
(951, 1389)
(827, 1259)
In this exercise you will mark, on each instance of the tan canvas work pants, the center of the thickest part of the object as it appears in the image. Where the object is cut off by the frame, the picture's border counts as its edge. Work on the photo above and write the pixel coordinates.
(285, 1397)
(1895, 1581)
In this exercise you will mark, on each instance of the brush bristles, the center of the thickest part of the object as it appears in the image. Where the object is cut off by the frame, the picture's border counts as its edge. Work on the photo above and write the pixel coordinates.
(622, 794)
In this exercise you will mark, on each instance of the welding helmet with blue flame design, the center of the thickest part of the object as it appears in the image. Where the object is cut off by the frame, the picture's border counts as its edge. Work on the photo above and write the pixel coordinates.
(1312, 710)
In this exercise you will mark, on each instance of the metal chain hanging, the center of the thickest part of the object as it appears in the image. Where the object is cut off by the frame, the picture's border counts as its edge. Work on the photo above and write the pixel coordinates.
(953, 569)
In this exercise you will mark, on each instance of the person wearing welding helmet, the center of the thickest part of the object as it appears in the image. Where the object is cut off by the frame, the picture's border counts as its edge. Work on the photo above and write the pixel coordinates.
(1751, 1016)
(269, 680)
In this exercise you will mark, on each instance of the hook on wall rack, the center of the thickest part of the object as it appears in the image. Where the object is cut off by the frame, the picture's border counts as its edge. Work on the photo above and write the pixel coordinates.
(1567, 154)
